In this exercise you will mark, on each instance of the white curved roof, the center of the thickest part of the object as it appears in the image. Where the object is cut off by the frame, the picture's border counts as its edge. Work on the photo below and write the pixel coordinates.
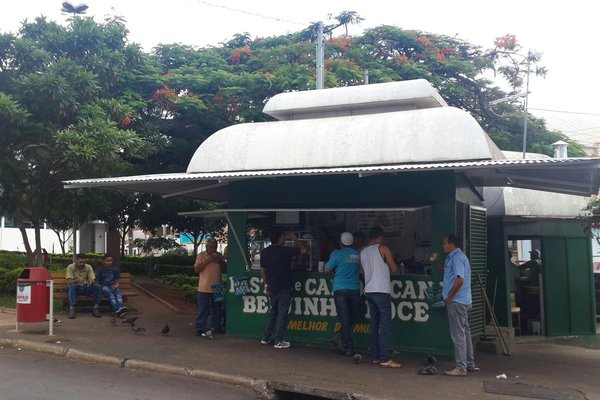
(416, 136)
(354, 100)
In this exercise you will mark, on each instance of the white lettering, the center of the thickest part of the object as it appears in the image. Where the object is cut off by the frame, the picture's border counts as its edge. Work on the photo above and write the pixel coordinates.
(298, 286)
(423, 289)
(249, 304)
(401, 307)
(309, 286)
(421, 314)
(323, 289)
(327, 307)
(297, 304)
(409, 291)
(255, 284)
(396, 293)
(310, 306)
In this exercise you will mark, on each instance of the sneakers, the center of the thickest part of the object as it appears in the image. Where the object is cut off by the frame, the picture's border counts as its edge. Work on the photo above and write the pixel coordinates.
(474, 368)
(96, 313)
(390, 364)
(455, 372)
(282, 345)
(72, 313)
(265, 340)
(121, 312)
(207, 334)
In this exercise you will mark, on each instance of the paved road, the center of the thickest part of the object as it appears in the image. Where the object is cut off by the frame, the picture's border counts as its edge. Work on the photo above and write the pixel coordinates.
(32, 376)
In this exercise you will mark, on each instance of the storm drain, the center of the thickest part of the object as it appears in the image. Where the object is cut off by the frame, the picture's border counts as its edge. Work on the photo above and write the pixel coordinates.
(531, 391)
(284, 391)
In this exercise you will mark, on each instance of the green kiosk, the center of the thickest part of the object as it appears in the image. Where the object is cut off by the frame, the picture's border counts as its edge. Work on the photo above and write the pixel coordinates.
(345, 159)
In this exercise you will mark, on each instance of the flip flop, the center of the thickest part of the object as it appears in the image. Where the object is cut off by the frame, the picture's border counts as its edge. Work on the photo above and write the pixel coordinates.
(390, 364)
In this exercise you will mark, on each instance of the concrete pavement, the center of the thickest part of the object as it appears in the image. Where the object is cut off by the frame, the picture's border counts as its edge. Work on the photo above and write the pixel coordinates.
(318, 372)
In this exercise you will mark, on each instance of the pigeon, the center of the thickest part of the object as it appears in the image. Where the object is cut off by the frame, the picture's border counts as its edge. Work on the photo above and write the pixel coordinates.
(428, 370)
(130, 321)
(431, 360)
(166, 330)
(138, 330)
(357, 358)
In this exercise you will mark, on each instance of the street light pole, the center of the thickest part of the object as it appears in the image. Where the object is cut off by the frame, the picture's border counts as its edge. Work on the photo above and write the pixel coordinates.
(526, 105)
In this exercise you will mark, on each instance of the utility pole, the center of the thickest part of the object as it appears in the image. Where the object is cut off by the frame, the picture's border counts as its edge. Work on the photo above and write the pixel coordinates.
(366, 78)
(320, 58)
(526, 105)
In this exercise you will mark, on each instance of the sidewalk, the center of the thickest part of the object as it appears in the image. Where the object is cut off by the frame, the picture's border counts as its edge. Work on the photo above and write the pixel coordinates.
(319, 372)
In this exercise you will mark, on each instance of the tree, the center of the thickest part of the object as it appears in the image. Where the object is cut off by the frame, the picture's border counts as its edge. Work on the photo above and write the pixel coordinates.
(66, 94)
(346, 18)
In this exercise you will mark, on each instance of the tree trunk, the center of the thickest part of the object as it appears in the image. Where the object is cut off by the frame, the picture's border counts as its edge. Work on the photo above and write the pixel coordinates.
(39, 257)
(113, 240)
(30, 255)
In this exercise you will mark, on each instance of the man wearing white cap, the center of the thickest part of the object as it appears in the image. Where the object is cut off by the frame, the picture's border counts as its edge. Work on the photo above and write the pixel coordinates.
(345, 265)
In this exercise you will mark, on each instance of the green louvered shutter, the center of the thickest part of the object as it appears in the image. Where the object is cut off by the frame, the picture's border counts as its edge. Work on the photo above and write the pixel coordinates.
(477, 249)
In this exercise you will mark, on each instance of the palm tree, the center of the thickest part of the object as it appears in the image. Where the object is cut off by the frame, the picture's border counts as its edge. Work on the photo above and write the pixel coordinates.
(348, 17)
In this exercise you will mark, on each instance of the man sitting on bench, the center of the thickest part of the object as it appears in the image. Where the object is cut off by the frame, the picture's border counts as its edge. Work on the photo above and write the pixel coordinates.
(81, 279)
(108, 279)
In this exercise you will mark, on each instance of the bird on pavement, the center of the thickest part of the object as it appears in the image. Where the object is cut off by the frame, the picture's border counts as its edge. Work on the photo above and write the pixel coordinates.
(130, 321)
(166, 330)
(138, 330)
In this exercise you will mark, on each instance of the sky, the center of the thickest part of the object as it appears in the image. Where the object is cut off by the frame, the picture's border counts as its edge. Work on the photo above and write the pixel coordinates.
(564, 32)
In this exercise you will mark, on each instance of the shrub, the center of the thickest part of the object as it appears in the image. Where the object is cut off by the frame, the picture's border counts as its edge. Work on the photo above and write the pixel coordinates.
(8, 280)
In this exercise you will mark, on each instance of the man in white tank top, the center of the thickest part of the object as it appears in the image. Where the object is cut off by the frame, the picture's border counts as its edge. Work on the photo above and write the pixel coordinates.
(377, 262)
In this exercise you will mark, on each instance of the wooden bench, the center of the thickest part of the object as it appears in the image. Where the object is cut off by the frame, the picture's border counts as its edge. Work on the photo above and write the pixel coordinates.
(61, 285)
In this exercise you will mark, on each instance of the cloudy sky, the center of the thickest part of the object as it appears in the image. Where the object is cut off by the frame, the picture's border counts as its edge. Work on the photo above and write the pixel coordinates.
(566, 34)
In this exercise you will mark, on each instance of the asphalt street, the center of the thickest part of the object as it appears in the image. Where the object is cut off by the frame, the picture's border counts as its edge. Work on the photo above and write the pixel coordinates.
(32, 376)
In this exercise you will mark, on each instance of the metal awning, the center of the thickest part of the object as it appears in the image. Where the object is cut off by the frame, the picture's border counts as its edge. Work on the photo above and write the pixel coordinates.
(577, 176)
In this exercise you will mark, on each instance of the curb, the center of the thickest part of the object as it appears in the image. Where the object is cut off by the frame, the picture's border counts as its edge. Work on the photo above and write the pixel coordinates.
(262, 388)
(80, 355)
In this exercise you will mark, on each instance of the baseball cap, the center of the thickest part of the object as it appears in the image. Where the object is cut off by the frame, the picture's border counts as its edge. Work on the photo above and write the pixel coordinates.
(347, 239)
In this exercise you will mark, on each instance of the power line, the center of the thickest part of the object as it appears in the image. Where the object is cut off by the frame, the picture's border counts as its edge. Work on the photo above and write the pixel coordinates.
(564, 112)
(250, 13)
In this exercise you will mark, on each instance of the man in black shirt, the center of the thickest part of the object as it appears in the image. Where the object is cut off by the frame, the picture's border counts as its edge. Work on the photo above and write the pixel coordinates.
(276, 271)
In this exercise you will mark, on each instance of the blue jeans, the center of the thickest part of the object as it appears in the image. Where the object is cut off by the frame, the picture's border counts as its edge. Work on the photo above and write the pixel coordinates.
(380, 309)
(92, 290)
(206, 300)
(278, 316)
(347, 304)
(114, 297)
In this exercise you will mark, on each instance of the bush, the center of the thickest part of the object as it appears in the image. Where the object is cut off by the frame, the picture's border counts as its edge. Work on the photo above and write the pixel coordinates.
(175, 259)
(179, 280)
(8, 280)
(190, 292)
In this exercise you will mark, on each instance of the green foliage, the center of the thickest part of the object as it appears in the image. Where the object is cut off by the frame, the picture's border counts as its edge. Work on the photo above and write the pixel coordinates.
(8, 280)
(155, 243)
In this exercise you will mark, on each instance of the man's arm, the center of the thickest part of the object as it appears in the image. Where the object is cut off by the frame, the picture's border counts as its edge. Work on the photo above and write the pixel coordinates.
(263, 274)
(458, 282)
(386, 253)
(301, 245)
(200, 264)
(70, 275)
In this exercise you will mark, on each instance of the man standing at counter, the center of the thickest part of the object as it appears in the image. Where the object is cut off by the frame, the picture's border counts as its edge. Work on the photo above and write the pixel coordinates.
(276, 272)
(377, 262)
(345, 265)
(457, 295)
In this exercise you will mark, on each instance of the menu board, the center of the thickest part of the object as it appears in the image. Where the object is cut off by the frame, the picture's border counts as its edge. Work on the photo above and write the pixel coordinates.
(392, 222)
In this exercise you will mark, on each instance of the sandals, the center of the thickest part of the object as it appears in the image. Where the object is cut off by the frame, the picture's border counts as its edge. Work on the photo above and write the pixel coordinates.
(390, 364)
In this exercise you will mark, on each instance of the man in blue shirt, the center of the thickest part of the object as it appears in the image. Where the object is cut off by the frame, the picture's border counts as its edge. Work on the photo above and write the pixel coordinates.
(457, 295)
(107, 277)
(345, 265)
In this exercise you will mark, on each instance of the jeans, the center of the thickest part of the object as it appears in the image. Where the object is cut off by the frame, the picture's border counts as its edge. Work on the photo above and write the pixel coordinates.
(460, 331)
(91, 290)
(347, 303)
(380, 309)
(114, 297)
(206, 300)
(278, 316)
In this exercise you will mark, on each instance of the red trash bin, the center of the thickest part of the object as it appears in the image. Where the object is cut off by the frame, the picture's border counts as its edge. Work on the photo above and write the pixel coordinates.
(33, 296)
